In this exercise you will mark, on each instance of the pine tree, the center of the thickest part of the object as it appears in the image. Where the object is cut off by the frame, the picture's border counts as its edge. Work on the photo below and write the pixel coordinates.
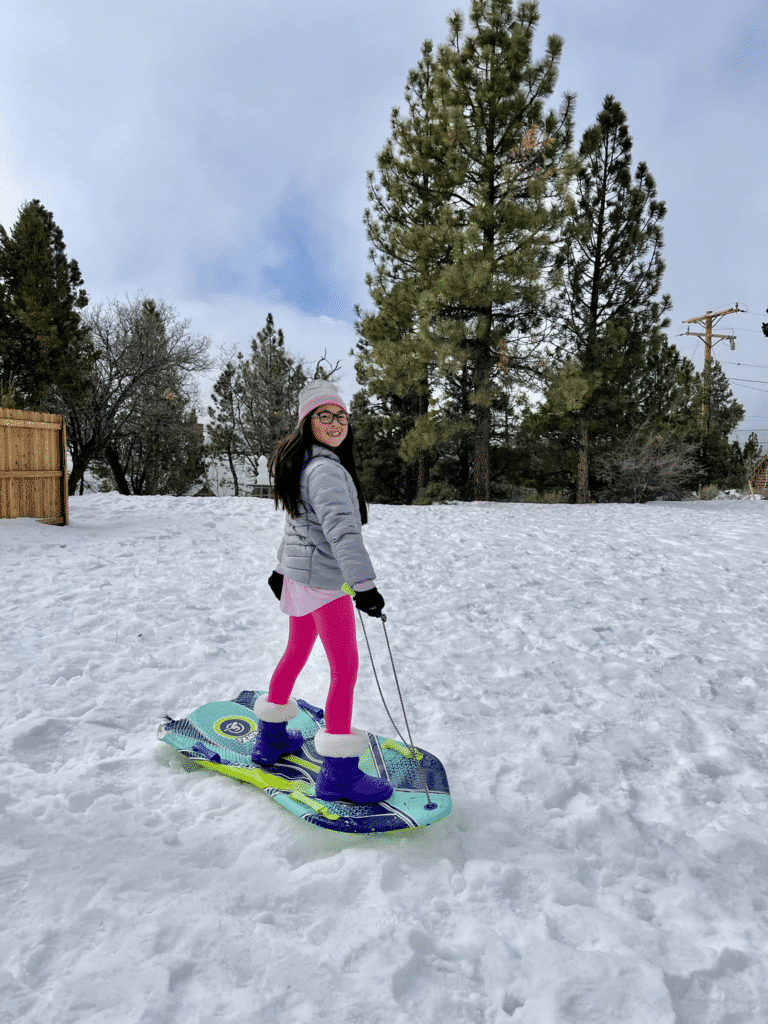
(43, 342)
(611, 319)
(665, 392)
(723, 463)
(475, 197)
(399, 350)
(380, 428)
(269, 386)
(515, 170)
(257, 400)
(223, 428)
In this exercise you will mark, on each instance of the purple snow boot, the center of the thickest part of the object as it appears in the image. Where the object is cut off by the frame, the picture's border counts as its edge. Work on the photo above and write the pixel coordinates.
(340, 775)
(274, 738)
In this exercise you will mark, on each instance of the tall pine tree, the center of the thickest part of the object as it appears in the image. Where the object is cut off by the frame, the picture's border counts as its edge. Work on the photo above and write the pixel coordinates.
(468, 252)
(399, 351)
(43, 342)
(511, 203)
(611, 319)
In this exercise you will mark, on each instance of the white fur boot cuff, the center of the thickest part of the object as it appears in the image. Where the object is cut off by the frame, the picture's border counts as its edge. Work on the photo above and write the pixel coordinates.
(268, 712)
(352, 744)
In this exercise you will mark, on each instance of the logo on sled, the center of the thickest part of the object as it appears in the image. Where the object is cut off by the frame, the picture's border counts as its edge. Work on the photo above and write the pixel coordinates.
(236, 728)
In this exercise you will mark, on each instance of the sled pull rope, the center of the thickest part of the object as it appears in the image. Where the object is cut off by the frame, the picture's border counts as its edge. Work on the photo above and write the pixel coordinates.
(409, 743)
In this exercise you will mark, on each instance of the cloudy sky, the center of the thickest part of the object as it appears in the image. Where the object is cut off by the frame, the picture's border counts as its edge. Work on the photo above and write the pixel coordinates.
(214, 154)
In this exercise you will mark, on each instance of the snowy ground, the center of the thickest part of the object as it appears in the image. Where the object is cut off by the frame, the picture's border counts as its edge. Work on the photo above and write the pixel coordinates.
(594, 679)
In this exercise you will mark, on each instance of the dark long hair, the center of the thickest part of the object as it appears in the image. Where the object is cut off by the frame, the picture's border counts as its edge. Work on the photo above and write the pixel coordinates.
(286, 462)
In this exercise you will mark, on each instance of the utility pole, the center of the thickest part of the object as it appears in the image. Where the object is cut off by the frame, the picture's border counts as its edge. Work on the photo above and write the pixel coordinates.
(707, 319)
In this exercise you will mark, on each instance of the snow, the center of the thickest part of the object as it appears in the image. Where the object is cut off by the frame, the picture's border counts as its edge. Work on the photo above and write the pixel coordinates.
(592, 677)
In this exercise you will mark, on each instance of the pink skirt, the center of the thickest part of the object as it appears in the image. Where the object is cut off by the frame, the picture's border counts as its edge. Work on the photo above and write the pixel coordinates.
(298, 599)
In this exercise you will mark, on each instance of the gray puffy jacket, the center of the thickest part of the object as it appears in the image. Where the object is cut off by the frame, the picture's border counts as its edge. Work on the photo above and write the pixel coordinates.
(324, 547)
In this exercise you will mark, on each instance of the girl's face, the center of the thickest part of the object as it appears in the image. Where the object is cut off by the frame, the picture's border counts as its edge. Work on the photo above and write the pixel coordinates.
(332, 433)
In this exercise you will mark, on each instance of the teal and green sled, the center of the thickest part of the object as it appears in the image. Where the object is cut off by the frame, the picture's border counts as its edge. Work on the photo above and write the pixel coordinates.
(220, 736)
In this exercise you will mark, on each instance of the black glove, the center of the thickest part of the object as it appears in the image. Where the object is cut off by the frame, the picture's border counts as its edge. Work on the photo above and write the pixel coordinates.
(369, 601)
(276, 583)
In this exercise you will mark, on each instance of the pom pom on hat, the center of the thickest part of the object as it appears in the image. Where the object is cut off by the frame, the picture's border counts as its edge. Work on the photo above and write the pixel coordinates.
(317, 393)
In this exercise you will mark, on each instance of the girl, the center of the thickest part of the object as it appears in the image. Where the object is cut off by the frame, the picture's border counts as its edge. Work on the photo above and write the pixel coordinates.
(316, 481)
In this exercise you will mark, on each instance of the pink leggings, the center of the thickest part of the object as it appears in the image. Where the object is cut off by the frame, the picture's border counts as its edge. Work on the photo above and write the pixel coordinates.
(335, 622)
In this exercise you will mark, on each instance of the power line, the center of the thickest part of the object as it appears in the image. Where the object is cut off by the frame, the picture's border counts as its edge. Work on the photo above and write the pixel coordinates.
(735, 304)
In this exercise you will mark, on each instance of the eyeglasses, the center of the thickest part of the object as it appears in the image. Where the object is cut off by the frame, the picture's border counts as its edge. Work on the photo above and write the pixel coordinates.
(329, 417)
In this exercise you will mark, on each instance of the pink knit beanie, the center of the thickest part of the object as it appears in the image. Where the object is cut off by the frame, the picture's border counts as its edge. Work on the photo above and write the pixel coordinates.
(317, 393)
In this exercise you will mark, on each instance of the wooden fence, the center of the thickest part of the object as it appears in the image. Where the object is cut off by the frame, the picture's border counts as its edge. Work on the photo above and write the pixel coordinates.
(33, 466)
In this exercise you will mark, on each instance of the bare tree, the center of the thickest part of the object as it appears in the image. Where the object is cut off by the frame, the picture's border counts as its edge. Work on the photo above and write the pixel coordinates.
(646, 466)
(145, 349)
